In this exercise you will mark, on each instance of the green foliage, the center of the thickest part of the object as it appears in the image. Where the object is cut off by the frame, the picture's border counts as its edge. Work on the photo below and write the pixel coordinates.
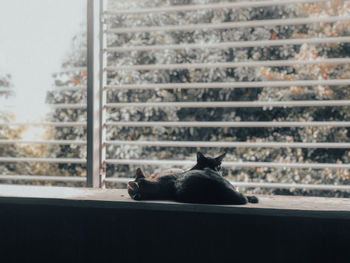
(76, 79)
(10, 133)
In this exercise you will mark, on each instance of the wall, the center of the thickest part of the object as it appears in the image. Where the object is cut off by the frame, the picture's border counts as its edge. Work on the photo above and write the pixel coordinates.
(32, 231)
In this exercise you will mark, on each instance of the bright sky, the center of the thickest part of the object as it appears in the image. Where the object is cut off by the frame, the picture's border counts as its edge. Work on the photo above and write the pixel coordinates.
(35, 36)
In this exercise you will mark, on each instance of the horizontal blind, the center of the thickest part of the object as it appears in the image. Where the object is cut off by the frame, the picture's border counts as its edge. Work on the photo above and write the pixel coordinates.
(114, 84)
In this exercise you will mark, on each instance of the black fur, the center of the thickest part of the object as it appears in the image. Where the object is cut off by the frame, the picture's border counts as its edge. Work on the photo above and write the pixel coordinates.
(201, 184)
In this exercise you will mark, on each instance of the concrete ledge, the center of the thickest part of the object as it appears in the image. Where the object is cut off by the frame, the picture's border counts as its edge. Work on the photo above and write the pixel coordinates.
(119, 199)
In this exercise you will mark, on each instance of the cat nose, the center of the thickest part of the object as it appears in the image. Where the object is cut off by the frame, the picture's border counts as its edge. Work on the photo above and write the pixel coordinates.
(137, 196)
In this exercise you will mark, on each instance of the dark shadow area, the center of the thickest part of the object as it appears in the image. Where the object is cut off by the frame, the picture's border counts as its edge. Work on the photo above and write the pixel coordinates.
(55, 233)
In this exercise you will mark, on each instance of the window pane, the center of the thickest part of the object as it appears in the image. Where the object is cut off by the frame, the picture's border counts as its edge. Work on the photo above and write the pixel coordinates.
(42, 62)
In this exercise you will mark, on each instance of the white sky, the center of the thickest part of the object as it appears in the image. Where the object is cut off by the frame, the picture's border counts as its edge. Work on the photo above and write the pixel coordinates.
(35, 36)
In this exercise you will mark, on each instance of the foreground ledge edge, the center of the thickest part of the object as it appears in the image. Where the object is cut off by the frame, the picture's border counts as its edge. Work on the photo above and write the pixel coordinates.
(293, 206)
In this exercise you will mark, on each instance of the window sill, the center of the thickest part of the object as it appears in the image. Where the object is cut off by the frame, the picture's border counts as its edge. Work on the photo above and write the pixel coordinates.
(119, 199)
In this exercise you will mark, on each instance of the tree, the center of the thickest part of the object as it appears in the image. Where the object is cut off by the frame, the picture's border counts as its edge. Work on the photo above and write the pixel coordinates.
(211, 55)
(322, 92)
(9, 132)
(72, 76)
(190, 75)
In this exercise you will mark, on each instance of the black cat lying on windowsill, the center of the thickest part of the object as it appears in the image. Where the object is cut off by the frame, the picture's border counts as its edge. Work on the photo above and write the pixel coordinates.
(201, 184)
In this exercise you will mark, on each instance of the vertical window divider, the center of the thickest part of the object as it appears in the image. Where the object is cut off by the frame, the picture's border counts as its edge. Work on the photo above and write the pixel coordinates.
(103, 90)
(95, 131)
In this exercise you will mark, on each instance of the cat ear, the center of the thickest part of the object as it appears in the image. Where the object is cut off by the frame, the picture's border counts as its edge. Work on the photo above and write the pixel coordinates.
(140, 173)
(220, 157)
(199, 156)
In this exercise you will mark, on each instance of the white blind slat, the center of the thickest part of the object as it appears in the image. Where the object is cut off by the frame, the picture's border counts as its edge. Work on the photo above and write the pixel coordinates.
(233, 104)
(62, 142)
(179, 8)
(219, 85)
(52, 124)
(237, 44)
(231, 164)
(42, 178)
(231, 144)
(41, 160)
(231, 25)
(228, 124)
(265, 63)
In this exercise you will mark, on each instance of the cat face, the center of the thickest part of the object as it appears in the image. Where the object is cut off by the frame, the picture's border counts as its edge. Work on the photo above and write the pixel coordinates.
(136, 188)
(209, 162)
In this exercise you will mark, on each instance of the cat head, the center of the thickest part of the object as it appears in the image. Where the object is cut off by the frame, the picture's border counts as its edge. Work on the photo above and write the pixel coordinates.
(208, 162)
(136, 188)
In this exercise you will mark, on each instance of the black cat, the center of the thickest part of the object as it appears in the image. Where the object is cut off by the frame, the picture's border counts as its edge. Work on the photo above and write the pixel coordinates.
(194, 186)
(208, 162)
